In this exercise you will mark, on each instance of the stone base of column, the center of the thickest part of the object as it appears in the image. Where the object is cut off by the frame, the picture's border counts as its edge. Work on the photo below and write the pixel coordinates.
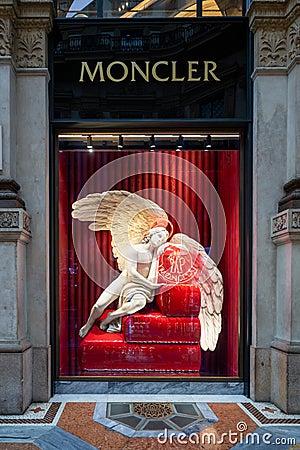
(285, 376)
(260, 374)
(41, 367)
(16, 377)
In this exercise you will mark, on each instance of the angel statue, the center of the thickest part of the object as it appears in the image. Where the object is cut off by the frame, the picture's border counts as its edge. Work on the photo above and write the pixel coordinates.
(139, 233)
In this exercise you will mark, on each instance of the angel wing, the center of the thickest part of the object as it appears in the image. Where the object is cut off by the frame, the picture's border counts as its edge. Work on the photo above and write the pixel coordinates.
(210, 281)
(128, 217)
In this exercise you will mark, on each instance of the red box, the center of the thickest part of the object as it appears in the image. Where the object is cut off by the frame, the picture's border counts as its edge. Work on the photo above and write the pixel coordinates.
(108, 352)
(180, 301)
(154, 327)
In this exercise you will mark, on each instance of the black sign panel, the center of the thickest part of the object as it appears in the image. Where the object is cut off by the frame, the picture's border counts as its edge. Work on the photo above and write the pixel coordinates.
(151, 70)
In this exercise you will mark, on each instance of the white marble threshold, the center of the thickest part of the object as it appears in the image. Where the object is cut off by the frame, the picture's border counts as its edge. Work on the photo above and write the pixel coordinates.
(149, 398)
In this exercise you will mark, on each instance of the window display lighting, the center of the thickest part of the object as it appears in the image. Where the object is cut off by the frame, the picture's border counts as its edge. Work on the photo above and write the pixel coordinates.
(89, 144)
(121, 143)
(152, 143)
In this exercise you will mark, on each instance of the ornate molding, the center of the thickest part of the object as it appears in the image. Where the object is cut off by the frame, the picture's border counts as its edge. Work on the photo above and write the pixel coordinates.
(9, 219)
(294, 41)
(24, 25)
(6, 37)
(280, 222)
(296, 220)
(276, 26)
(14, 219)
(153, 410)
(286, 226)
(31, 49)
(272, 48)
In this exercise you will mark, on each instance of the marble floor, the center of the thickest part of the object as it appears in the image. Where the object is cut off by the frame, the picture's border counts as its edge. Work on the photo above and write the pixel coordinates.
(140, 422)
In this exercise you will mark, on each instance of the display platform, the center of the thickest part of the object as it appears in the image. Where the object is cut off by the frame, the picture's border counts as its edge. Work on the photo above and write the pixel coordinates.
(163, 337)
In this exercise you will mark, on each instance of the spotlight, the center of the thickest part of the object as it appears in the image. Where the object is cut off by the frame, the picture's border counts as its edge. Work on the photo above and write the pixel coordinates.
(207, 142)
(152, 143)
(89, 144)
(180, 143)
(120, 144)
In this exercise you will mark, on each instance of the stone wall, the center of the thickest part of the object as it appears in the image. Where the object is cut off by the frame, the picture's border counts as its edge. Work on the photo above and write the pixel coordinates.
(275, 350)
(24, 322)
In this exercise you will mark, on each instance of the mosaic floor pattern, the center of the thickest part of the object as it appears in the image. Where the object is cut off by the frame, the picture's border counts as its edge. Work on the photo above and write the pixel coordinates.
(146, 419)
(149, 425)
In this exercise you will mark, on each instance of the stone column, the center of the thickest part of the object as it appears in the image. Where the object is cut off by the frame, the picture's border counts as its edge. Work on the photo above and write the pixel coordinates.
(285, 352)
(24, 330)
(276, 115)
(15, 349)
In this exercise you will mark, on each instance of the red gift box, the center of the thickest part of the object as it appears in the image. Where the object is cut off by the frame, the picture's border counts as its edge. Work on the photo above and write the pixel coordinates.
(108, 352)
(180, 301)
(155, 327)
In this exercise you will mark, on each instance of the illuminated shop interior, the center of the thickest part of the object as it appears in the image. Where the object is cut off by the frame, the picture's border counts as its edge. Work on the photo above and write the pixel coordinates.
(88, 163)
(128, 9)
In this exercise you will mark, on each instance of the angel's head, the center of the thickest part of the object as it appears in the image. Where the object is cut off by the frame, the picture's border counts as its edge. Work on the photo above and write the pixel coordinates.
(156, 237)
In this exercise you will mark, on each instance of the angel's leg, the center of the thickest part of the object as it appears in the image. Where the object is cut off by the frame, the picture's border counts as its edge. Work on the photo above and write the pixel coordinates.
(137, 303)
(110, 294)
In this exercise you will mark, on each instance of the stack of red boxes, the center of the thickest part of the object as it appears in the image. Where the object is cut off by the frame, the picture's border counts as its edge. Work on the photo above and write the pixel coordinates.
(165, 339)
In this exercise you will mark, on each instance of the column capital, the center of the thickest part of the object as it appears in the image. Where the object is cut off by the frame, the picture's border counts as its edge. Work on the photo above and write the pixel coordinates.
(276, 28)
(24, 26)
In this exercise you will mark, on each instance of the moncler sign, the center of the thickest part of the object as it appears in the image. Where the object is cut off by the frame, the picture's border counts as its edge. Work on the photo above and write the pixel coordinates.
(147, 71)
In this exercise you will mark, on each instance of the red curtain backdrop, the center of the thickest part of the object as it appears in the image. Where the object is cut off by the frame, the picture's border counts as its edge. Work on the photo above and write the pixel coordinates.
(78, 292)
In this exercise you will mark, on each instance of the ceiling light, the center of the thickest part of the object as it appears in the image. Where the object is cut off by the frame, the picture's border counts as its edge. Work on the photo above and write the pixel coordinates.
(207, 142)
(120, 144)
(89, 144)
(152, 143)
(180, 143)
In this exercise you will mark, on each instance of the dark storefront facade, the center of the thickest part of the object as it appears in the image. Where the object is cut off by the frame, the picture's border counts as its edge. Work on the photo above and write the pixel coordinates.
(151, 107)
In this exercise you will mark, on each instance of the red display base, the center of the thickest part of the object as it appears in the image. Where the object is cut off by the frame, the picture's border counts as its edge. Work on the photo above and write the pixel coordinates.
(104, 352)
(180, 301)
(154, 327)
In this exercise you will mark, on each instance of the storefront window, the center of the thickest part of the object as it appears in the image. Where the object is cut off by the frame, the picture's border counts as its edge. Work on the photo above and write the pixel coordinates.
(78, 9)
(195, 180)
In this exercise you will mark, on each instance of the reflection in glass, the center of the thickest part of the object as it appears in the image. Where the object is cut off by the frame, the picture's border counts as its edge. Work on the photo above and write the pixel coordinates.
(127, 9)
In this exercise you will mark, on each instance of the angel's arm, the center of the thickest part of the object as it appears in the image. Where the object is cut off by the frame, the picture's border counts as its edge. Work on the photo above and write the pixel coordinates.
(134, 275)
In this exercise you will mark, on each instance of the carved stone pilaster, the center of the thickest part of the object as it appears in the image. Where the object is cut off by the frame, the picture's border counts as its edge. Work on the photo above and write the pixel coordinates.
(15, 349)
